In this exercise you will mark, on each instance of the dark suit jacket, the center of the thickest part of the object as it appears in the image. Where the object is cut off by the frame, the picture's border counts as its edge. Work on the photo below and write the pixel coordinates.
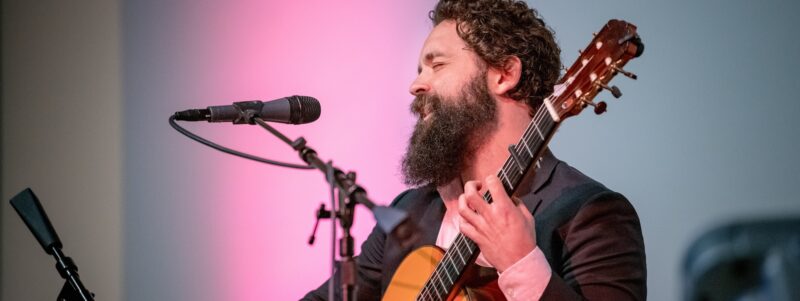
(589, 234)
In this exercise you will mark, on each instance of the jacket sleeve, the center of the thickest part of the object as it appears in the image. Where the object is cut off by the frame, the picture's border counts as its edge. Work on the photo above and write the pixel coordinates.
(604, 253)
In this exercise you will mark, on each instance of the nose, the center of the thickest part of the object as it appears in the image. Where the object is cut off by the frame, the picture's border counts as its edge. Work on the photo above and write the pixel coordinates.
(419, 86)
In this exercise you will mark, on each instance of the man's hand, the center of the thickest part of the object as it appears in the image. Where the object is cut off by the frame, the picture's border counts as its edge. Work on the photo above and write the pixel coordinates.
(504, 232)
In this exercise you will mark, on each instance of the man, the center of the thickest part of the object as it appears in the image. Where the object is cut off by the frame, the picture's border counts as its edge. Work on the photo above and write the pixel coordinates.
(483, 70)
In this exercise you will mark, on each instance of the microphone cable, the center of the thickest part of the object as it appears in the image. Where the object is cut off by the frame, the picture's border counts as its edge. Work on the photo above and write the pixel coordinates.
(226, 150)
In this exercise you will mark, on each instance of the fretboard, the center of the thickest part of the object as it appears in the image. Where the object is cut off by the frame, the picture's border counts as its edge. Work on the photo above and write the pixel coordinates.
(463, 251)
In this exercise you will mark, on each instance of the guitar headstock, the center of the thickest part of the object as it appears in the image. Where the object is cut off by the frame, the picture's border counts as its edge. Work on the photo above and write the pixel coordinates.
(612, 47)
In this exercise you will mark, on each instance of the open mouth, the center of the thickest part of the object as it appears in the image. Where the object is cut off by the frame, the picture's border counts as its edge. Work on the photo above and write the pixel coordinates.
(427, 112)
(422, 108)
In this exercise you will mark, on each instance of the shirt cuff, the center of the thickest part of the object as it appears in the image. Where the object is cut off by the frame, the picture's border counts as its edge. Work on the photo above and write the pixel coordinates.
(527, 278)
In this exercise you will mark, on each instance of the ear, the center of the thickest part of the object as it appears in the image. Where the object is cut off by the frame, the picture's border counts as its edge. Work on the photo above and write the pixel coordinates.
(503, 79)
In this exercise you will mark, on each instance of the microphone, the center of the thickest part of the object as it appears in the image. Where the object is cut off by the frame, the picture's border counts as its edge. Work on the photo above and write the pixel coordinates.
(293, 109)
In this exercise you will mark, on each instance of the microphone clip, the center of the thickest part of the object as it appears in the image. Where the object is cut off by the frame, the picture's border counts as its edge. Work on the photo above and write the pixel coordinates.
(248, 111)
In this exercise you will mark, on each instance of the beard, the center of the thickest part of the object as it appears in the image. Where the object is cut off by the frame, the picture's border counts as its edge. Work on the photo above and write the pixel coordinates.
(443, 146)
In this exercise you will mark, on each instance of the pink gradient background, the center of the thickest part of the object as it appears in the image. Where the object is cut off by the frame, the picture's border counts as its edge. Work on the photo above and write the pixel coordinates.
(202, 225)
(358, 58)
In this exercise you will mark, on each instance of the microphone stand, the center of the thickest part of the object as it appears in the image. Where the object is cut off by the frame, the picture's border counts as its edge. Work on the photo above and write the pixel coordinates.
(73, 289)
(350, 194)
(31, 212)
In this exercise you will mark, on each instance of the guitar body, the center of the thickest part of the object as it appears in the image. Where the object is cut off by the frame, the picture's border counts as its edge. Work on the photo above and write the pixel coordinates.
(410, 277)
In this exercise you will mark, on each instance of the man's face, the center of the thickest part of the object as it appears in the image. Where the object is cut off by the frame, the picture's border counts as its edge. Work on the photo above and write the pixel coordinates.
(446, 64)
(454, 107)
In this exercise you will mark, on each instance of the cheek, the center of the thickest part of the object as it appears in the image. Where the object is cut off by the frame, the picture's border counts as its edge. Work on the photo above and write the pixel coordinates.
(452, 80)
(448, 87)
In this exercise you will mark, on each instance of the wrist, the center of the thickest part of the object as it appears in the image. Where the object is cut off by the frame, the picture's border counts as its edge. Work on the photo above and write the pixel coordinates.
(515, 257)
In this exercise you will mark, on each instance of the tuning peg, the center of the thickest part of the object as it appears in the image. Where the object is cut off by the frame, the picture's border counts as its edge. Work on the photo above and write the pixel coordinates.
(599, 108)
(613, 89)
(626, 73)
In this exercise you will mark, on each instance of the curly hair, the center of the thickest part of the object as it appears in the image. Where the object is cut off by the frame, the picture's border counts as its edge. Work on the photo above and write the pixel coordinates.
(499, 29)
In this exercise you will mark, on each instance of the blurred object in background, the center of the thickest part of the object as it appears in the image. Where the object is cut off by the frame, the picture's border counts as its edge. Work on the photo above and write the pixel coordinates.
(756, 260)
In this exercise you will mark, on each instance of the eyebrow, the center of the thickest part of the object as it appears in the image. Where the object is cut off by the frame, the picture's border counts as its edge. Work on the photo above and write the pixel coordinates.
(429, 57)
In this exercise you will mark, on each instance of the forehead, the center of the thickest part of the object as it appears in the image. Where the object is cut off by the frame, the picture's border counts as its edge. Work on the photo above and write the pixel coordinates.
(443, 41)
(443, 34)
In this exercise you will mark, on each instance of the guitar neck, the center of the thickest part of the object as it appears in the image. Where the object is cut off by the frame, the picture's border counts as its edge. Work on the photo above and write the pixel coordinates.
(527, 151)
(463, 251)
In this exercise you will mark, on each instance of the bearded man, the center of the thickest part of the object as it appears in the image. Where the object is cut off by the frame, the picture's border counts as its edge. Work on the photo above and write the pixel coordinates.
(483, 70)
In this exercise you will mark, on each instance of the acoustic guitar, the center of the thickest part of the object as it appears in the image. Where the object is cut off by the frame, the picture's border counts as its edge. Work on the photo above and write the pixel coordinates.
(430, 273)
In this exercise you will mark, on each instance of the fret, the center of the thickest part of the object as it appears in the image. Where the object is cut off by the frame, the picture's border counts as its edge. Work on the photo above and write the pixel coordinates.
(435, 295)
(458, 251)
(452, 264)
(462, 245)
(505, 176)
(535, 126)
(517, 157)
(436, 287)
(448, 275)
(525, 143)
(455, 261)
(448, 271)
(445, 287)
(455, 271)
(425, 295)
(459, 245)
(508, 168)
(469, 244)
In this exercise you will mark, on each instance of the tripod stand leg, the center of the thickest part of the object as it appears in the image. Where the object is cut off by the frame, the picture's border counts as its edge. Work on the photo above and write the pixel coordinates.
(68, 293)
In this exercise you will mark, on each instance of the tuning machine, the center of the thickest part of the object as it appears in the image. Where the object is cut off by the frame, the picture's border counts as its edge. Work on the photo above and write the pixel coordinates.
(613, 89)
(599, 107)
(626, 73)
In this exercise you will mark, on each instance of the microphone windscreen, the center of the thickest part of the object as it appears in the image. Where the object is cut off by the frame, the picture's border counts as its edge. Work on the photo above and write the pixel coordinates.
(308, 108)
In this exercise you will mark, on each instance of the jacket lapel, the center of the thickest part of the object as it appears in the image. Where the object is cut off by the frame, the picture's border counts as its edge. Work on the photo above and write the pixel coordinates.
(539, 178)
(432, 219)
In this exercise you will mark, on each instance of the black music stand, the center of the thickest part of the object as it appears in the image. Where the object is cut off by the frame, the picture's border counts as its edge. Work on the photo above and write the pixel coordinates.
(30, 210)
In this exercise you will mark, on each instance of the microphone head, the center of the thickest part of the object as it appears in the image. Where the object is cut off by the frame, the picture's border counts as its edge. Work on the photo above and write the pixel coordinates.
(305, 109)
(293, 109)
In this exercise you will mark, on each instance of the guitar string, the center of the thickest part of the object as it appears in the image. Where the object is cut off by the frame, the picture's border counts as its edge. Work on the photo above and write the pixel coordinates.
(516, 173)
(459, 244)
(449, 261)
